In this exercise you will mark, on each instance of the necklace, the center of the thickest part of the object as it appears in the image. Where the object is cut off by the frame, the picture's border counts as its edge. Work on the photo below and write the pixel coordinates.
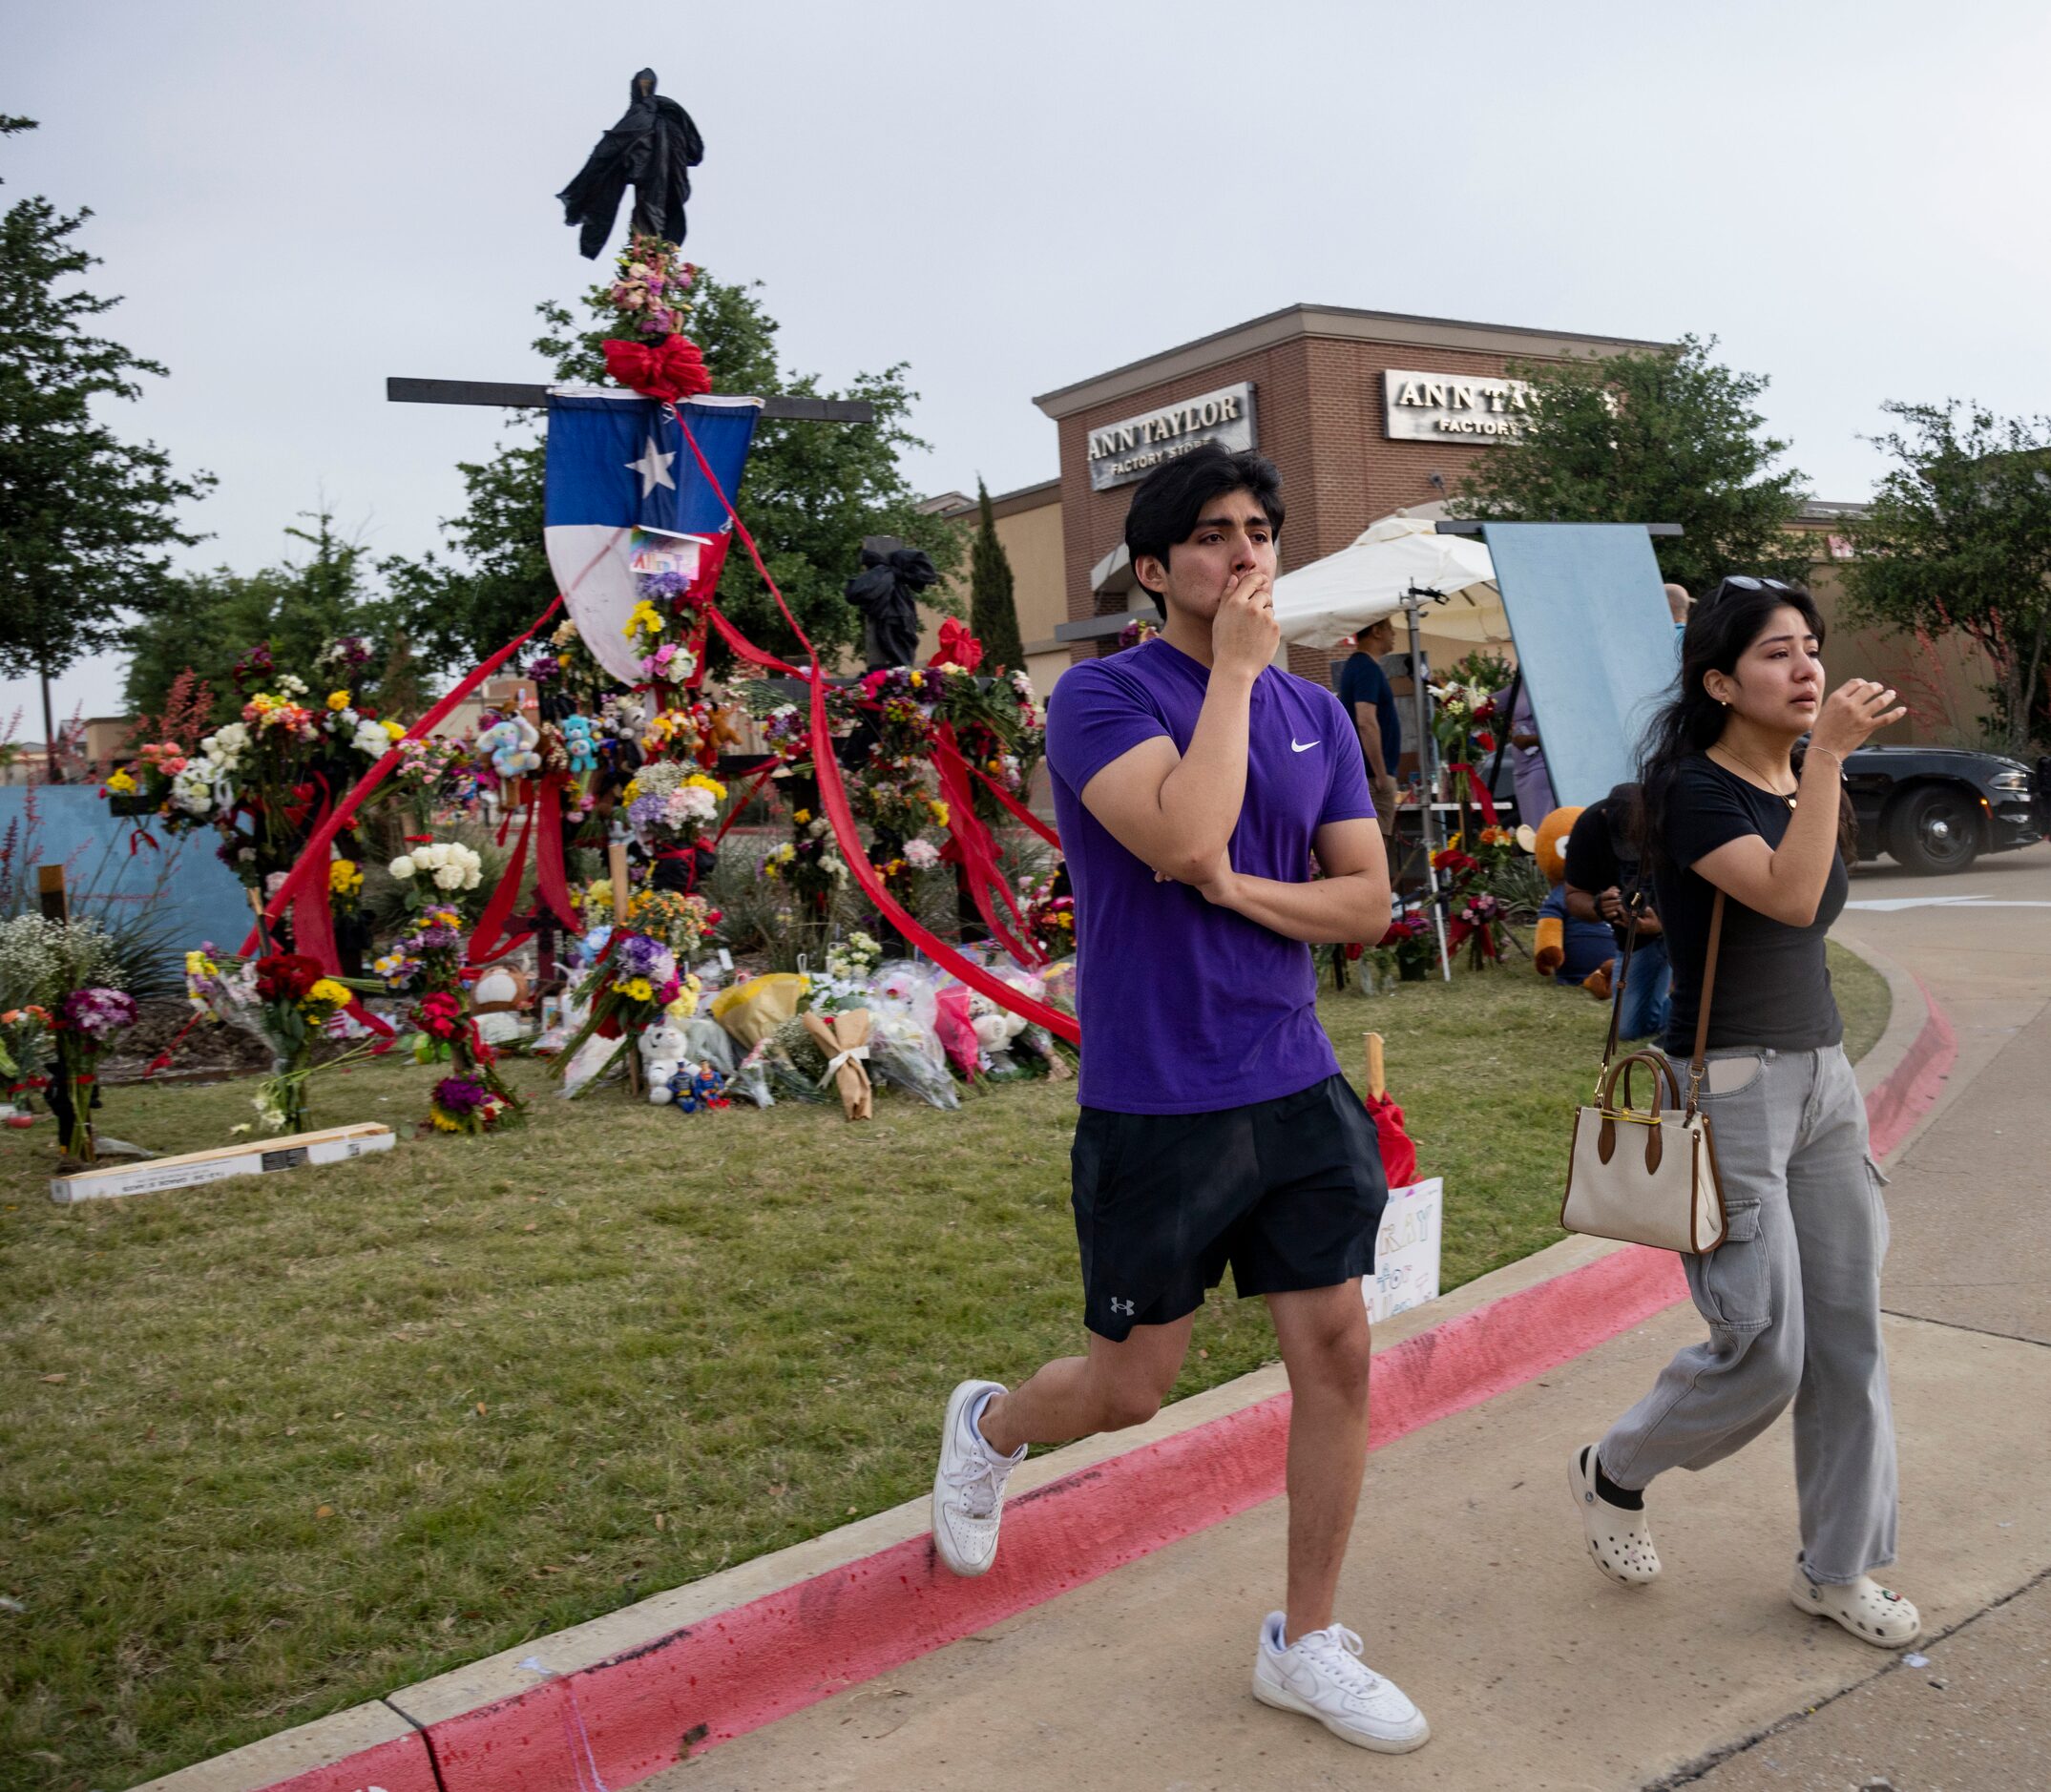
(1731, 753)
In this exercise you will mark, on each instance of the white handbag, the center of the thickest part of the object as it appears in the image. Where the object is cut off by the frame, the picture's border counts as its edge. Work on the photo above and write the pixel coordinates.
(1649, 1177)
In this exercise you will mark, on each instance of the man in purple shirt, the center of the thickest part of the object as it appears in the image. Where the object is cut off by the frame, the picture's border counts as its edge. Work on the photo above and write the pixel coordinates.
(1194, 783)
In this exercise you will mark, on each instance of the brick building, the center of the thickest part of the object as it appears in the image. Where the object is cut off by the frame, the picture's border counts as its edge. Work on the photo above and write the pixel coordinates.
(1364, 413)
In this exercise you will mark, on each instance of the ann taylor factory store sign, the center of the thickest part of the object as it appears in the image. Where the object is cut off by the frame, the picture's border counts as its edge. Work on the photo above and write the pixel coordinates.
(1430, 406)
(1120, 452)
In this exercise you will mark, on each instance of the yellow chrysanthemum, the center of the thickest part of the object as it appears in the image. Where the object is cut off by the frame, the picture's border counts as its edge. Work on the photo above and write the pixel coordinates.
(638, 990)
(329, 992)
(343, 877)
(643, 616)
(701, 781)
(122, 782)
(338, 700)
(938, 811)
(442, 1121)
(392, 731)
(801, 816)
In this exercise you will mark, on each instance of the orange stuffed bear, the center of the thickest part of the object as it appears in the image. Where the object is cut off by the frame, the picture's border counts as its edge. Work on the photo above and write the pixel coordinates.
(1548, 844)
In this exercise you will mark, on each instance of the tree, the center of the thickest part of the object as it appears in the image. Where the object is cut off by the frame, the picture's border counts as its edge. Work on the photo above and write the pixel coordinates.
(811, 493)
(993, 614)
(209, 620)
(1662, 437)
(84, 516)
(1958, 537)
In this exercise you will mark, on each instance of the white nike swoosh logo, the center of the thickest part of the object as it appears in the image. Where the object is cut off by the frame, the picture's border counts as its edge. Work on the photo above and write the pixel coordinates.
(1300, 746)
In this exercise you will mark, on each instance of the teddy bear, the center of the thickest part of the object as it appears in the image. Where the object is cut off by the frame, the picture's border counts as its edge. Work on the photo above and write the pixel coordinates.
(580, 744)
(664, 1050)
(1565, 950)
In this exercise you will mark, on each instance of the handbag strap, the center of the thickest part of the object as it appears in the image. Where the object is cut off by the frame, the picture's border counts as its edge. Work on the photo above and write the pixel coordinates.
(1616, 1006)
(1695, 1064)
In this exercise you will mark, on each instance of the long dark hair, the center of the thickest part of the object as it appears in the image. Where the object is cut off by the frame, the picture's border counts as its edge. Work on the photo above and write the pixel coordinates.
(1689, 722)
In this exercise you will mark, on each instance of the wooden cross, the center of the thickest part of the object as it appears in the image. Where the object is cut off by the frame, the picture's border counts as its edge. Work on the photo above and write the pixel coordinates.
(516, 396)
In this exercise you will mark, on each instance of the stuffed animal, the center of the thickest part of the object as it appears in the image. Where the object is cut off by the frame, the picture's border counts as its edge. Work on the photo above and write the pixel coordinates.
(580, 744)
(511, 746)
(1566, 949)
(662, 1049)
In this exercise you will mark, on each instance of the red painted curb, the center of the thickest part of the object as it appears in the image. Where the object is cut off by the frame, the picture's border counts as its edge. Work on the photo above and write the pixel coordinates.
(747, 1667)
(622, 1720)
(402, 1764)
(1894, 1109)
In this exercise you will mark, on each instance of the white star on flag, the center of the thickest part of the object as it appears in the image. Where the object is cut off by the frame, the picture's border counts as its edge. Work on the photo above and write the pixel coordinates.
(652, 467)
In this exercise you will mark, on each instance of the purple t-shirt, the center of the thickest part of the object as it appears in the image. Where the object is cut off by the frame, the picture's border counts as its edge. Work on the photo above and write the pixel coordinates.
(1188, 1007)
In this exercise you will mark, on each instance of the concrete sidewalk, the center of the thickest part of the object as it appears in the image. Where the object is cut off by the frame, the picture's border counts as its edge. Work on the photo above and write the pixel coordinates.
(1467, 1577)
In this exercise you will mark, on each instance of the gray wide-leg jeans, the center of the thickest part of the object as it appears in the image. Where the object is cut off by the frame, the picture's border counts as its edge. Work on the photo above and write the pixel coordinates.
(1792, 1301)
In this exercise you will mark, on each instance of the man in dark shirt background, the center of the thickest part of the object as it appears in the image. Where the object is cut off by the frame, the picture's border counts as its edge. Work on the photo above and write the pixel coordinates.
(1604, 882)
(1365, 695)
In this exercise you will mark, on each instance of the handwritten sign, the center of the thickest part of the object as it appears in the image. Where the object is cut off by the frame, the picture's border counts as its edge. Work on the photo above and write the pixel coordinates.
(1406, 1250)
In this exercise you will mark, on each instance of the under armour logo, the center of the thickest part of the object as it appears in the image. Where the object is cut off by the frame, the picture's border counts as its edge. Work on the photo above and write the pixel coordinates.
(1120, 1306)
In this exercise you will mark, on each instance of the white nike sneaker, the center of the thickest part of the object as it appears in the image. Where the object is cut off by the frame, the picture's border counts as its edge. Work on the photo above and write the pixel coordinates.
(968, 1488)
(1323, 1677)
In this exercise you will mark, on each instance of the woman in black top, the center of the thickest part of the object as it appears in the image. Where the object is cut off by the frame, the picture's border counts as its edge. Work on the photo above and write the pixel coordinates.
(1792, 1295)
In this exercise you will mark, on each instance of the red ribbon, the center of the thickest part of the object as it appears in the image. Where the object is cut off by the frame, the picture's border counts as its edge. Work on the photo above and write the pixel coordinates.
(552, 878)
(667, 371)
(487, 939)
(1018, 810)
(313, 861)
(1483, 802)
(833, 797)
(978, 852)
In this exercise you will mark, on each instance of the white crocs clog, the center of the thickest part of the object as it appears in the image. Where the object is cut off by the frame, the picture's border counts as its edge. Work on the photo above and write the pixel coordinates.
(1873, 1613)
(1617, 1539)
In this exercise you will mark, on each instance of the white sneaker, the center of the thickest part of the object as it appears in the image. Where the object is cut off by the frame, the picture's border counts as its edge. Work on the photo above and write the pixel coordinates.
(968, 1488)
(1323, 1677)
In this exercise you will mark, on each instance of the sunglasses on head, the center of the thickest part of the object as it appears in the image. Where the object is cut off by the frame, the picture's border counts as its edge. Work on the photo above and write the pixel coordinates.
(1744, 581)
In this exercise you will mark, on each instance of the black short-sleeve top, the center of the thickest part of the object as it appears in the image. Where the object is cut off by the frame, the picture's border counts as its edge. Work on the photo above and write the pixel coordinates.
(1772, 981)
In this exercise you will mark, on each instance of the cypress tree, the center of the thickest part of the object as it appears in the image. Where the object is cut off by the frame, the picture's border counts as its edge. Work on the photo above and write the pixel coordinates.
(991, 612)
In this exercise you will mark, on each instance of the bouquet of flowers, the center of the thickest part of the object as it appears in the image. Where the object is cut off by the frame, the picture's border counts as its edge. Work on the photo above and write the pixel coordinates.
(670, 807)
(436, 778)
(436, 870)
(296, 1001)
(1409, 946)
(651, 292)
(678, 921)
(23, 1050)
(1052, 917)
(463, 1104)
(1477, 922)
(631, 984)
(68, 971)
(426, 965)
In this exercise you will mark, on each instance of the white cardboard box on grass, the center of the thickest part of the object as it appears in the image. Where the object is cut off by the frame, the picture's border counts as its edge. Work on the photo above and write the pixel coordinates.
(336, 1144)
(1406, 1250)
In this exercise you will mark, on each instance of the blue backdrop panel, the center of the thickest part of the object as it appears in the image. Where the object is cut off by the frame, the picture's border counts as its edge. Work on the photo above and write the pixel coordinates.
(200, 897)
(1595, 640)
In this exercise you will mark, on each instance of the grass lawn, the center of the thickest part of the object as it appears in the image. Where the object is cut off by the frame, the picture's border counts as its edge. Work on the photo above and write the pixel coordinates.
(279, 1444)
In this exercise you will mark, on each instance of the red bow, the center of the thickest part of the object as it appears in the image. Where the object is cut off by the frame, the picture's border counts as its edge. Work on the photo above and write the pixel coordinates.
(958, 647)
(669, 370)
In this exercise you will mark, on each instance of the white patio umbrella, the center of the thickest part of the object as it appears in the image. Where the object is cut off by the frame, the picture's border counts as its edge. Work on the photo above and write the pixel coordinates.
(1327, 603)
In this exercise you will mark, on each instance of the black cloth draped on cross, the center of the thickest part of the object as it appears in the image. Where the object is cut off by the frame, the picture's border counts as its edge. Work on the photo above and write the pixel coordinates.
(653, 148)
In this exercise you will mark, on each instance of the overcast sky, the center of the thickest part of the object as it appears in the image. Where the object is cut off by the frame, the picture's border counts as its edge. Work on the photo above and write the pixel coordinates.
(297, 202)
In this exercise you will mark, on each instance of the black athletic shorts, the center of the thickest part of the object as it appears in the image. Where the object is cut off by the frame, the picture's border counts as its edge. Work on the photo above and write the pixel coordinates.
(1289, 1192)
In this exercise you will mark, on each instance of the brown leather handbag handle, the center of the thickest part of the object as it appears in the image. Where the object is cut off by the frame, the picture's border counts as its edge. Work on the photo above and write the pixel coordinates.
(1695, 1065)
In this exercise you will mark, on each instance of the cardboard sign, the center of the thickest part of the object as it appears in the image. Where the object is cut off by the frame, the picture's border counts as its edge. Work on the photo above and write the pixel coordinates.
(1406, 1250)
(656, 551)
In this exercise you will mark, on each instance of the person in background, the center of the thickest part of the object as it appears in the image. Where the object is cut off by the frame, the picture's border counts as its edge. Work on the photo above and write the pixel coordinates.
(1678, 604)
(1535, 799)
(1364, 693)
(1604, 883)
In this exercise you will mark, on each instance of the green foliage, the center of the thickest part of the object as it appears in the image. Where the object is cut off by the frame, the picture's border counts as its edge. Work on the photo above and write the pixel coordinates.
(812, 491)
(993, 611)
(1667, 436)
(1958, 538)
(83, 513)
(208, 620)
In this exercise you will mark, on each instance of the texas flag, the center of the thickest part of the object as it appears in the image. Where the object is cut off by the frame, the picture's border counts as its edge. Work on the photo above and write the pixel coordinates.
(618, 463)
